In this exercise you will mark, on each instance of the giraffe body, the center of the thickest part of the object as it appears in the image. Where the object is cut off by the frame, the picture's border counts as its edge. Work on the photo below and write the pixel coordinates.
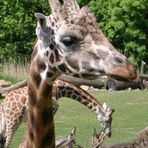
(16, 106)
(68, 42)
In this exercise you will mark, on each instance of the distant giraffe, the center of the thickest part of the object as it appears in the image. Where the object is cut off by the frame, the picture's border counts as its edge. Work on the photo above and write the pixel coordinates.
(68, 42)
(15, 106)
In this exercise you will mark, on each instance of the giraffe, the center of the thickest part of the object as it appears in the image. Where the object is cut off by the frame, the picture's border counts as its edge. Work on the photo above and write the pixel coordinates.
(15, 106)
(68, 42)
(2, 127)
(98, 138)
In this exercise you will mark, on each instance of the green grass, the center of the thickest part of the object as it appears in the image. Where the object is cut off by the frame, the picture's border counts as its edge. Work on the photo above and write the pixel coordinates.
(8, 78)
(131, 109)
(14, 71)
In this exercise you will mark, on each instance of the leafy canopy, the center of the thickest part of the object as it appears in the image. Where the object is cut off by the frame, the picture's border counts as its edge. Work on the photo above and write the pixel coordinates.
(125, 23)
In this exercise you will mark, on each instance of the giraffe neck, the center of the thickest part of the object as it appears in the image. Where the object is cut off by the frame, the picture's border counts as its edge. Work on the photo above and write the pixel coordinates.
(66, 89)
(40, 116)
(104, 113)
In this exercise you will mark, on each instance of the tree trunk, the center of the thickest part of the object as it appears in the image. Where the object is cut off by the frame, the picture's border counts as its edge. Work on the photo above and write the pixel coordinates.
(120, 85)
(98, 83)
(143, 77)
(4, 91)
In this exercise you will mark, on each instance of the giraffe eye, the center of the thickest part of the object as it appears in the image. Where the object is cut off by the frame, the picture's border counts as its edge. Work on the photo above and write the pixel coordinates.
(68, 40)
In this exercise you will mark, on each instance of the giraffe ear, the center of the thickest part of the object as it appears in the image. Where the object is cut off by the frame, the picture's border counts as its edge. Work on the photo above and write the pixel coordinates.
(40, 18)
(40, 29)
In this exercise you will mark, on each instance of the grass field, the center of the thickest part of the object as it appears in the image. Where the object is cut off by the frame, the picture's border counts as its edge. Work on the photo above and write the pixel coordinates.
(131, 110)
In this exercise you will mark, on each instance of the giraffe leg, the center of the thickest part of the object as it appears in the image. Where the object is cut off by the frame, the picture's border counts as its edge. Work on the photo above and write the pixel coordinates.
(11, 127)
(9, 134)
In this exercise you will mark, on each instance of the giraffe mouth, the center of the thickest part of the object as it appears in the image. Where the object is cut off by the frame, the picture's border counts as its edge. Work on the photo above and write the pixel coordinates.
(95, 74)
(90, 76)
(119, 78)
(109, 134)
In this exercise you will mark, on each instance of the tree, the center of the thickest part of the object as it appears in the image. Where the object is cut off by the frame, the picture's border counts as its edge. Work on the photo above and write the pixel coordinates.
(17, 32)
(124, 22)
(126, 25)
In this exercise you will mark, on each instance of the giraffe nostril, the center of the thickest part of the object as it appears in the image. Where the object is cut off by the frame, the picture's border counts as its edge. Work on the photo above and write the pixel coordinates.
(119, 60)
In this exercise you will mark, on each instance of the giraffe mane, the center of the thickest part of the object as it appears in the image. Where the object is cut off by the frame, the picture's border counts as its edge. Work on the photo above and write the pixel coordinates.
(72, 4)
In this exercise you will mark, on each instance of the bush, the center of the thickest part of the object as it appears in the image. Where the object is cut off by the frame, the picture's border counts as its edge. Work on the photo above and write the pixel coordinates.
(17, 25)
(126, 25)
(124, 22)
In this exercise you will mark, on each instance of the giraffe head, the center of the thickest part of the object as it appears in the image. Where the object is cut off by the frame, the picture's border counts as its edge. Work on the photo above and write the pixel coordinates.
(105, 118)
(75, 45)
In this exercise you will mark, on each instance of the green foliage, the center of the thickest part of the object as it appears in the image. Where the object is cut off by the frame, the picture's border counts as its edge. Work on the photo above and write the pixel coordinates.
(17, 25)
(125, 23)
